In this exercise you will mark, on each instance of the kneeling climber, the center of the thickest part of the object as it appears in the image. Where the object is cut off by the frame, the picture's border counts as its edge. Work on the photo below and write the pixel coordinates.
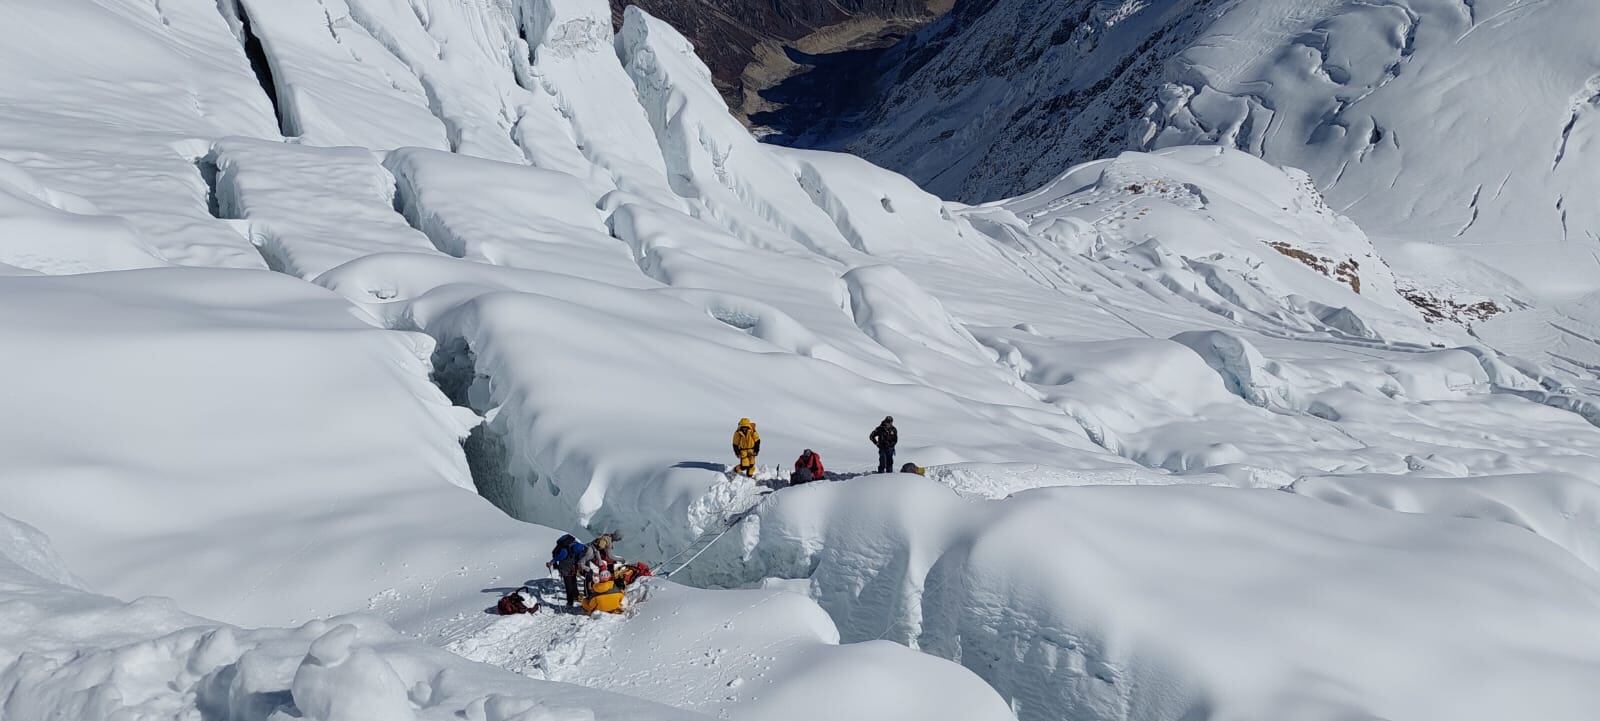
(598, 561)
(807, 468)
(746, 445)
(605, 587)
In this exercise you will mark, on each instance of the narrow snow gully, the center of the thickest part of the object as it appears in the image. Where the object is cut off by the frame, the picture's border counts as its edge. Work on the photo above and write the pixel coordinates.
(238, 18)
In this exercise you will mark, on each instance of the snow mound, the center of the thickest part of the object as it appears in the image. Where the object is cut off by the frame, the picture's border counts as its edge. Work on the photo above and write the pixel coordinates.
(54, 233)
(1561, 508)
(761, 654)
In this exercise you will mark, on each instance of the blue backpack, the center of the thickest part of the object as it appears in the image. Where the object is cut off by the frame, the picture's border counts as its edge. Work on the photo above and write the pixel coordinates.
(567, 551)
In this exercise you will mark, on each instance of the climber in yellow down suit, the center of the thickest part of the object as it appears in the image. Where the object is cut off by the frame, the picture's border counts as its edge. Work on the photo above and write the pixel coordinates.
(746, 445)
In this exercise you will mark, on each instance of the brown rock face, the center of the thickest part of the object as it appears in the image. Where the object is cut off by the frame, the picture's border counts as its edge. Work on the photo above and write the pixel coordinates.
(742, 40)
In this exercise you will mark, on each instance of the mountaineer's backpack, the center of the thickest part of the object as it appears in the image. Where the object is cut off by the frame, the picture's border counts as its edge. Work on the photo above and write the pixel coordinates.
(566, 554)
(516, 602)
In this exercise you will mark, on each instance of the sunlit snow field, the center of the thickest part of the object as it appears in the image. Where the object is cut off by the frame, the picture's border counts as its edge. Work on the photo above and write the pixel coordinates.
(296, 386)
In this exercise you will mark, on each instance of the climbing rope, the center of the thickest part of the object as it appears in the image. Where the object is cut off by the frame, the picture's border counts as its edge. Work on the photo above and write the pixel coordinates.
(710, 536)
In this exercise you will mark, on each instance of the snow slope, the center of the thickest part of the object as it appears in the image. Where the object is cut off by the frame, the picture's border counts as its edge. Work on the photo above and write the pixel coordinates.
(339, 450)
(325, 374)
(69, 653)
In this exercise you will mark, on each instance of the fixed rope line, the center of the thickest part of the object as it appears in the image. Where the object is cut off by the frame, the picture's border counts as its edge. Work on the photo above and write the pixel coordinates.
(710, 536)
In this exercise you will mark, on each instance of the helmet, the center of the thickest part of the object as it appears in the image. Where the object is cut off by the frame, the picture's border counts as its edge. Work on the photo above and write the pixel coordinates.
(888, 419)
(745, 423)
(603, 543)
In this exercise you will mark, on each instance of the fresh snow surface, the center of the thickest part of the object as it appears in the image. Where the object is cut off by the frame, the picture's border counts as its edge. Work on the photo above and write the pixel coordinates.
(66, 652)
(331, 381)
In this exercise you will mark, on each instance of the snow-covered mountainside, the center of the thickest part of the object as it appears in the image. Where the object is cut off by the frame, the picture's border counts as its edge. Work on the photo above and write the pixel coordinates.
(325, 318)
(1461, 132)
(745, 43)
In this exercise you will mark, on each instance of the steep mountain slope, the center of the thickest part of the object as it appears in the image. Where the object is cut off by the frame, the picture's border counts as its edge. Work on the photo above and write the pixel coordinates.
(515, 274)
(1466, 126)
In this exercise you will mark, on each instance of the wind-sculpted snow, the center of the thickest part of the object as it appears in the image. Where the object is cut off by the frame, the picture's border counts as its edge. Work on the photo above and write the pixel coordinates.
(51, 232)
(1163, 602)
(1562, 508)
(599, 272)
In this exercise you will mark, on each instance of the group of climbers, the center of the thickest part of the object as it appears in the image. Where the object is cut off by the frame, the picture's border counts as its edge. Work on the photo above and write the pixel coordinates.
(808, 467)
(594, 578)
(603, 574)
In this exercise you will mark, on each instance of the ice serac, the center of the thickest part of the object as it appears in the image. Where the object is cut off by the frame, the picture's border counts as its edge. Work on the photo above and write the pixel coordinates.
(464, 56)
(310, 209)
(510, 215)
(561, 395)
(337, 84)
(1160, 603)
(574, 59)
(711, 157)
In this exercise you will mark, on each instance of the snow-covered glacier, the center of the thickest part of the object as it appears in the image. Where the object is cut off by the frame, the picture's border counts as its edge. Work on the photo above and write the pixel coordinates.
(1460, 132)
(324, 318)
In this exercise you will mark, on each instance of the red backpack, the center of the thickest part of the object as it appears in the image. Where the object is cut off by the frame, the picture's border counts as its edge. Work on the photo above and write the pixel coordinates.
(512, 604)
